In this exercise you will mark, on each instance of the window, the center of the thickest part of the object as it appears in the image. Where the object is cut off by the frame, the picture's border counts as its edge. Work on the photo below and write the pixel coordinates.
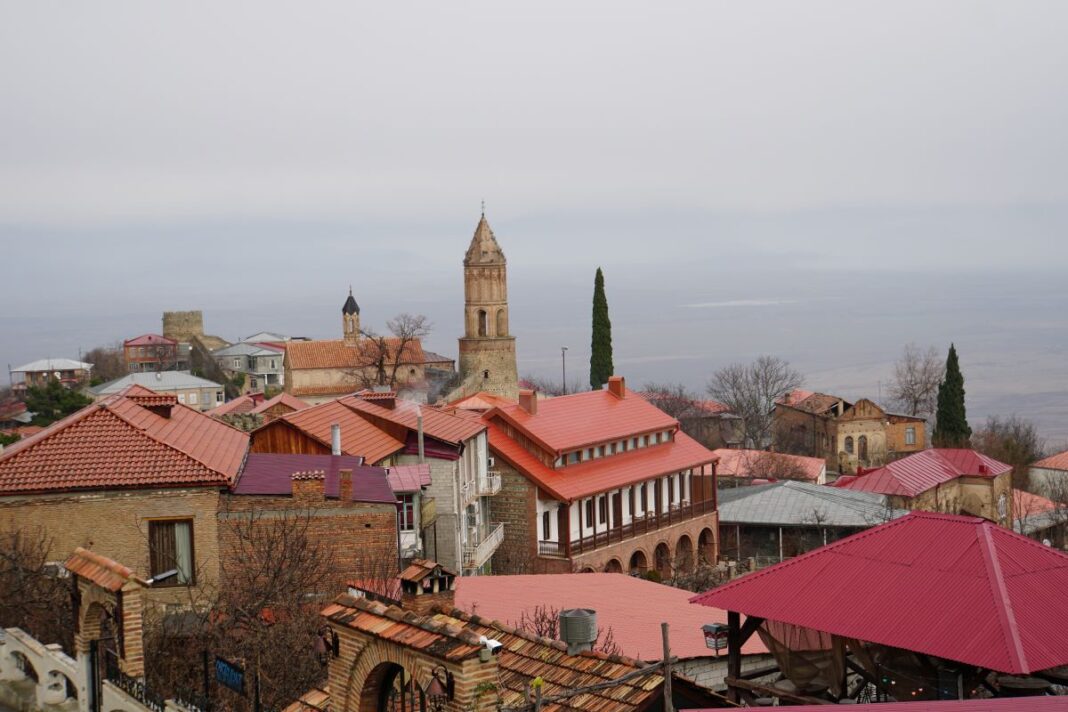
(218, 396)
(272, 364)
(623, 446)
(482, 326)
(634, 443)
(572, 457)
(237, 363)
(406, 512)
(602, 509)
(645, 441)
(252, 382)
(862, 447)
(193, 398)
(849, 444)
(671, 489)
(170, 546)
(472, 515)
(589, 513)
(600, 451)
(546, 526)
(910, 436)
(181, 398)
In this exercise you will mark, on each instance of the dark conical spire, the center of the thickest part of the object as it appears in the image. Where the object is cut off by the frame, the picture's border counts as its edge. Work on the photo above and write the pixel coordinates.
(350, 307)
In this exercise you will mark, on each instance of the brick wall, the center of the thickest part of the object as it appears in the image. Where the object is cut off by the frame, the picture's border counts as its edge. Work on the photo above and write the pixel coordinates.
(362, 537)
(516, 506)
(115, 524)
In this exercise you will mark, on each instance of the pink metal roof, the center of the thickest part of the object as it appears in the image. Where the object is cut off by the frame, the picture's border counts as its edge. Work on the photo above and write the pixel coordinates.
(923, 470)
(960, 588)
(409, 478)
(149, 340)
(740, 463)
(632, 607)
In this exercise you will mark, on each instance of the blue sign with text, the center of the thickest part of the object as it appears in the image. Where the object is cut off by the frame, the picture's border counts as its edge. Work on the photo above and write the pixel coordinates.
(230, 675)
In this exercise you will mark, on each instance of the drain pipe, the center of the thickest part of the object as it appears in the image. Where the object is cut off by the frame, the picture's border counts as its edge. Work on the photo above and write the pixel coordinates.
(419, 428)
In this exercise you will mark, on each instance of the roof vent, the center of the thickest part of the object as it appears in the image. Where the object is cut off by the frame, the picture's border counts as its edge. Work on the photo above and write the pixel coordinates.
(578, 628)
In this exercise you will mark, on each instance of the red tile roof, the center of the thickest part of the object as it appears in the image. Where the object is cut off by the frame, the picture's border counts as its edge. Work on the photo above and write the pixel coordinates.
(149, 340)
(739, 463)
(119, 443)
(569, 422)
(241, 404)
(959, 588)
(358, 435)
(603, 474)
(622, 603)
(437, 423)
(1054, 462)
(101, 570)
(923, 470)
(289, 401)
(337, 353)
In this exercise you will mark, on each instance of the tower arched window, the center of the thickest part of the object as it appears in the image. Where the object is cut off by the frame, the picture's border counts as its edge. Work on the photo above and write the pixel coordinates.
(483, 326)
(849, 444)
(502, 327)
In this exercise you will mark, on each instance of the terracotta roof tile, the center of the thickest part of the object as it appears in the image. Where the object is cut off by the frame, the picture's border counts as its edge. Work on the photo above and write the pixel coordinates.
(1058, 461)
(437, 423)
(118, 442)
(99, 569)
(337, 353)
(358, 435)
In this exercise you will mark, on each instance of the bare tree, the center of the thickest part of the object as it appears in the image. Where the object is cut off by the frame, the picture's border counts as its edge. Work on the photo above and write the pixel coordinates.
(773, 466)
(108, 362)
(381, 356)
(1012, 440)
(551, 387)
(673, 398)
(750, 391)
(917, 375)
(33, 595)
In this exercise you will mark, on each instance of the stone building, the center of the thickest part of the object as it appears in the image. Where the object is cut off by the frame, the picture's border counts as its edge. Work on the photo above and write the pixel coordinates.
(456, 520)
(847, 435)
(953, 481)
(487, 348)
(600, 481)
(321, 370)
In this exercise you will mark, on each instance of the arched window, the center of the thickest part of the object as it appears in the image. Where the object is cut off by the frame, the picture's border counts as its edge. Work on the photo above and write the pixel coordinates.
(849, 444)
(482, 325)
(502, 327)
(862, 447)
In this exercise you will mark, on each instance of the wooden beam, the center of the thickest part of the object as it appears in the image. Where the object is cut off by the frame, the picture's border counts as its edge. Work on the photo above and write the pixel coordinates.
(736, 683)
(748, 628)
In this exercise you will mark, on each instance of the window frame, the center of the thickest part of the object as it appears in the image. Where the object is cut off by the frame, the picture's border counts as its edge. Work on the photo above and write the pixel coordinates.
(173, 581)
(406, 512)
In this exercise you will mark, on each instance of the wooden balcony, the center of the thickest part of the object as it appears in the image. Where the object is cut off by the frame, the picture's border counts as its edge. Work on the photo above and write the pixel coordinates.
(638, 527)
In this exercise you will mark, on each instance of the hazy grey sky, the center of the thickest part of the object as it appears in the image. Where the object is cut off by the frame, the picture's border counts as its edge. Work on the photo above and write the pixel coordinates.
(255, 154)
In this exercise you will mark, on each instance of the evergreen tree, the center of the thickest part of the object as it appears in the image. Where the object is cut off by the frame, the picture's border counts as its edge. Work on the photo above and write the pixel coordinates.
(951, 424)
(601, 347)
(53, 401)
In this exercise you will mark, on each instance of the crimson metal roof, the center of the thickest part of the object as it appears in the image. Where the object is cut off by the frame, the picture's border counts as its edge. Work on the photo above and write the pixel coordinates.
(959, 588)
(923, 470)
(409, 478)
(272, 474)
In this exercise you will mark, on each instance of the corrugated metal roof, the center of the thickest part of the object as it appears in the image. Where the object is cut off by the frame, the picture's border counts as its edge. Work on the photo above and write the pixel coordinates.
(959, 588)
(52, 364)
(272, 474)
(155, 380)
(149, 340)
(437, 424)
(790, 503)
(742, 463)
(923, 470)
(358, 435)
(568, 422)
(602, 474)
(409, 478)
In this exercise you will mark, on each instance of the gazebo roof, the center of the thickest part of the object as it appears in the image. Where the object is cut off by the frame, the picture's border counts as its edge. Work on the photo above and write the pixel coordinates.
(959, 588)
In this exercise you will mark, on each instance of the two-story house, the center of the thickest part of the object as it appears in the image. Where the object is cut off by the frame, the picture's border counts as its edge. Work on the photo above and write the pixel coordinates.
(454, 509)
(153, 352)
(37, 374)
(260, 363)
(599, 481)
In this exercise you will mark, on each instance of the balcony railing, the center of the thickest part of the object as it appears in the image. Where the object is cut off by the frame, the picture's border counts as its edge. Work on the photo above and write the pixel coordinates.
(489, 485)
(550, 548)
(488, 539)
(651, 522)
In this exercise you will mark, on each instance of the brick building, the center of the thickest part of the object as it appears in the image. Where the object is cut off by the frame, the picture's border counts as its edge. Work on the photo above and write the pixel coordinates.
(456, 526)
(599, 481)
(135, 476)
(152, 352)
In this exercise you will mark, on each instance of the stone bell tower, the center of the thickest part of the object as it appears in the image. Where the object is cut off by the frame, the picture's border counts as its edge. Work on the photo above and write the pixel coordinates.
(350, 319)
(487, 348)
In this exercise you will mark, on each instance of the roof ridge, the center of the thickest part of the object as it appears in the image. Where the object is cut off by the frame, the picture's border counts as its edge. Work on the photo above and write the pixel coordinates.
(1001, 594)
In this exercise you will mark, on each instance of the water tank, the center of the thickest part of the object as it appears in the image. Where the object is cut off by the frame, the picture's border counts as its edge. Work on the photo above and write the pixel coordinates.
(578, 628)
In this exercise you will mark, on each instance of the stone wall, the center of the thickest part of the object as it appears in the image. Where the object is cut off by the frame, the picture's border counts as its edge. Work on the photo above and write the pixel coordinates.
(442, 542)
(495, 355)
(115, 524)
(182, 326)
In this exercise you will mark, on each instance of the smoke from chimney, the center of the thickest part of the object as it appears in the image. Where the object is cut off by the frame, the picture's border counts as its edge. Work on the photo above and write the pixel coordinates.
(335, 439)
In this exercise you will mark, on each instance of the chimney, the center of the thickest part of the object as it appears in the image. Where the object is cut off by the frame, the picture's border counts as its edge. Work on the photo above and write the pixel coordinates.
(419, 434)
(528, 401)
(578, 628)
(436, 588)
(335, 439)
(617, 386)
(308, 487)
(344, 485)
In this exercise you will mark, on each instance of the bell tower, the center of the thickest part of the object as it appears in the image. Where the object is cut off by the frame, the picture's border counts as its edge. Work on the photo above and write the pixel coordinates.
(487, 348)
(350, 319)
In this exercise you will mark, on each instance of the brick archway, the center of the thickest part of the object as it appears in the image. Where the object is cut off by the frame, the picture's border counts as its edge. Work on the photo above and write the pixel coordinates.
(662, 559)
(706, 547)
(684, 554)
(639, 562)
(614, 566)
(374, 669)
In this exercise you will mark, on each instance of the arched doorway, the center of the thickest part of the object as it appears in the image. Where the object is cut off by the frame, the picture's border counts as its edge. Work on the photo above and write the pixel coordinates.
(639, 564)
(613, 567)
(483, 327)
(684, 554)
(662, 560)
(391, 688)
(706, 547)
(587, 570)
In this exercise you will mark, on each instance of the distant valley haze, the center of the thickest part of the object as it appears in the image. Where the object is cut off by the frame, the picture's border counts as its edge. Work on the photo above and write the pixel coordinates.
(826, 182)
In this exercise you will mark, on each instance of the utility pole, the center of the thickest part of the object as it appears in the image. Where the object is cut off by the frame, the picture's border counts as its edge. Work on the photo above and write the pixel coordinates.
(563, 369)
(668, 704)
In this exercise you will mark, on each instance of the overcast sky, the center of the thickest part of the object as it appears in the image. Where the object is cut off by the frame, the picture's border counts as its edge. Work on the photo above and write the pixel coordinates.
(210, 154)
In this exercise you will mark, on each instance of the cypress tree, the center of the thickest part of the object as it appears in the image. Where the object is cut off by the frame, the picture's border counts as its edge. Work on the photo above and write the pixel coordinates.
(601, 345)
(951, 424)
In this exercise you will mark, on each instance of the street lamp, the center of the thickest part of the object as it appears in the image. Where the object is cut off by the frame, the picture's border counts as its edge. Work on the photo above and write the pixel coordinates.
(563, 369)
